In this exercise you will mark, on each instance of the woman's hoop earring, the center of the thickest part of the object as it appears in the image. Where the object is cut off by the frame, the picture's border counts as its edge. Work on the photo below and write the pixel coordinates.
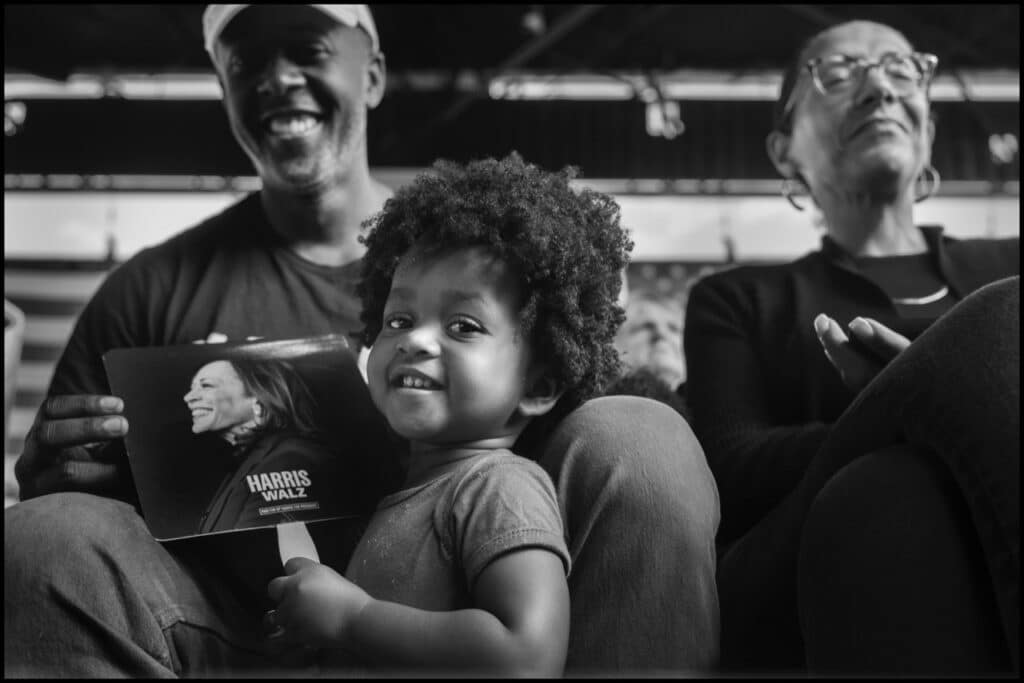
(932, 180)
(789, 185)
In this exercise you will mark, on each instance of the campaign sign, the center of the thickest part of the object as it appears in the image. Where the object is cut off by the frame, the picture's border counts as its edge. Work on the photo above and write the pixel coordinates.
(237, 436)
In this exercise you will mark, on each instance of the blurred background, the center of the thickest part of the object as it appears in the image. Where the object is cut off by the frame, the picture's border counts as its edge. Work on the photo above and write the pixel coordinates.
(114, 136)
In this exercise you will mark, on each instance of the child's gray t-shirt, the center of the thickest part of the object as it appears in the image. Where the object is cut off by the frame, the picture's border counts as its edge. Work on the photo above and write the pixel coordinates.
(426, 546)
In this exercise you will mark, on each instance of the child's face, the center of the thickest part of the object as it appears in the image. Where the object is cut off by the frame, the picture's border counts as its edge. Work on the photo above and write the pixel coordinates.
(450, 365)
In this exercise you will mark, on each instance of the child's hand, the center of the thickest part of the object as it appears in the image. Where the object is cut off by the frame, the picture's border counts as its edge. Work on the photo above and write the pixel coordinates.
(314, 603)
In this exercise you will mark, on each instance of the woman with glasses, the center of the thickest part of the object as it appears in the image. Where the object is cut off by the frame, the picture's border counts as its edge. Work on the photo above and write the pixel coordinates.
(858, 406)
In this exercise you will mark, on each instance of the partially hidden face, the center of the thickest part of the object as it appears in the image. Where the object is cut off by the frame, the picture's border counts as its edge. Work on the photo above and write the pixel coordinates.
(296, 88)
(865, 133)
(652, 337)
(217, 399)
(450, 364)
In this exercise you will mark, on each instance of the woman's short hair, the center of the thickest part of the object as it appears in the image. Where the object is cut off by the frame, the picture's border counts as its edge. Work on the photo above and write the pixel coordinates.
(287, 403)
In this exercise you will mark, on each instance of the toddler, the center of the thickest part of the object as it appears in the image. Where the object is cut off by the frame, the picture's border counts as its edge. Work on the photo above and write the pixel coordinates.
(489, 301)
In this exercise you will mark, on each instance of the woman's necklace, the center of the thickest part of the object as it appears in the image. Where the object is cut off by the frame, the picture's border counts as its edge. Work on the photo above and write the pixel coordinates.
(922, 300)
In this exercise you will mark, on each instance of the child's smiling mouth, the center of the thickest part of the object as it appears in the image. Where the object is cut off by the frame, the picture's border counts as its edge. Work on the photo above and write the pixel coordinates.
(412, 379)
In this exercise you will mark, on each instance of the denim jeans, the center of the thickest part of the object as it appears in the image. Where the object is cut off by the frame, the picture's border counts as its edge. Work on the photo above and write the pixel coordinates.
(88, 592)
(640, 509)
(952, 400)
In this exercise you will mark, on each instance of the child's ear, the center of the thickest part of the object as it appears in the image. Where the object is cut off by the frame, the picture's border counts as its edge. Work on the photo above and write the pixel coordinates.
(541, 396)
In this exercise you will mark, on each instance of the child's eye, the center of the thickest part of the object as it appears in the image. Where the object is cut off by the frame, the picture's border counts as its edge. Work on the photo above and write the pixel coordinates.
(464, 326)
(396, 322)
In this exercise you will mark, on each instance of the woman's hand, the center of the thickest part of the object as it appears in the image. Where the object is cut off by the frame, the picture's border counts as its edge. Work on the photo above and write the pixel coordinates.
(314, 604)
(859, 357)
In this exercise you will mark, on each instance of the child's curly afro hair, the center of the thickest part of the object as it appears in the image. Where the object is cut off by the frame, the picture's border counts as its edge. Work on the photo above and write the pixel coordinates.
(566, 245)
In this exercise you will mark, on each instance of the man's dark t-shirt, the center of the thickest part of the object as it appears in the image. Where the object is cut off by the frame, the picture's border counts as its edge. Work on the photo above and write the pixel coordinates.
(230, 274)
(233, 275)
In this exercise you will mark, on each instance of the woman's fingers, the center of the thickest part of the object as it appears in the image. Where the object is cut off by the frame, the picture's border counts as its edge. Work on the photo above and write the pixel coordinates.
(856, 366)
(881, 340)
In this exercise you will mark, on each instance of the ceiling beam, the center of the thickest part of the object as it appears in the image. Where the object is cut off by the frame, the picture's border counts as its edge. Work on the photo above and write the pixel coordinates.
(815, 14)
(951, 44)
(681, 84)
(567, 22)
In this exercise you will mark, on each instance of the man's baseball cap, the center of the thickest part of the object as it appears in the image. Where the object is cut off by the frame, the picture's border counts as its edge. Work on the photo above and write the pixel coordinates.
(217, 17)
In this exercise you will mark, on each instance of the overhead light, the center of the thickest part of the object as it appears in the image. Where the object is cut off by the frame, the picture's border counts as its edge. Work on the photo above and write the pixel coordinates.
(1003, 148)
(663, 120)
(14, 116)
(533, 21)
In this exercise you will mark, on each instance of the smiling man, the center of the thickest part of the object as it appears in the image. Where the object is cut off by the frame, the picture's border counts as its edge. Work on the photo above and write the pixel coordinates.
(281, 263)
(297, 82)
(88, 592)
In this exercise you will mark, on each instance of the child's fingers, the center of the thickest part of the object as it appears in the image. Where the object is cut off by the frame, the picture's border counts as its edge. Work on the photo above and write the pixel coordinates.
(297, 564)
(270, 624)
(275, 589)
(286, 625)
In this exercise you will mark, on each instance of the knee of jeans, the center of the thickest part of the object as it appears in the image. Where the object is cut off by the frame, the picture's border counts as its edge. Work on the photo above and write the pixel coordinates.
(59, 530)
(640, 447)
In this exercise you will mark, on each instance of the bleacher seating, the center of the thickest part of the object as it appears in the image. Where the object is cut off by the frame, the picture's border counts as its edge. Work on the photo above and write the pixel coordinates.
(50, 294)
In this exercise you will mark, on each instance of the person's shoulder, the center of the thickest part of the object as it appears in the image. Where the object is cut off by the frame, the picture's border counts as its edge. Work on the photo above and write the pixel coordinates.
(992, 245)
(755, 273)
(497, 481)
(496, 472)
(999, 256)
(500, 459)
(234, 220)
(225, 227)
(500, 503)
(755, 279)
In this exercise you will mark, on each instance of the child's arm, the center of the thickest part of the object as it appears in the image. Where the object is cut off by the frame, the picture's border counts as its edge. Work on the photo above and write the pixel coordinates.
(520, 625)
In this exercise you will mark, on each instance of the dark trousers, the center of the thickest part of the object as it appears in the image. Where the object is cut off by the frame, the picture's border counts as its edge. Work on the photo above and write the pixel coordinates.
(899, 551)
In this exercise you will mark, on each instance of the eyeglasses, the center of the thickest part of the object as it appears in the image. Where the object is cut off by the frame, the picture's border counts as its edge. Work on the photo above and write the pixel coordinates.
(835, 74)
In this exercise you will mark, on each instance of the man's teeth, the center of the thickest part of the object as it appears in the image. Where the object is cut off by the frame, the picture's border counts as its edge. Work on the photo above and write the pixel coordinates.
(292, 124)
(418, 383)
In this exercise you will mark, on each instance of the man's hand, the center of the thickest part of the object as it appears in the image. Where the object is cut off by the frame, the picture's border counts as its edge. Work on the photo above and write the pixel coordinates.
(314, 604)
(861, 356)
(65, 448)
